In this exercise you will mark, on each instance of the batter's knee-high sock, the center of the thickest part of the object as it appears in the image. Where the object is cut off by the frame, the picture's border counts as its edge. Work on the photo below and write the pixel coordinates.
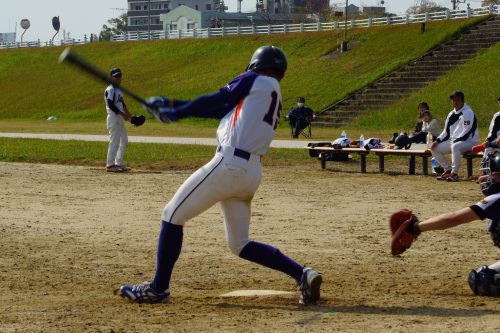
(169, 248)
(271, 257)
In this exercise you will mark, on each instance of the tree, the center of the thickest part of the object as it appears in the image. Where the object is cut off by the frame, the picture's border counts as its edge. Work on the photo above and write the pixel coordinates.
(429, 8)
(118, 26)
(485, 3)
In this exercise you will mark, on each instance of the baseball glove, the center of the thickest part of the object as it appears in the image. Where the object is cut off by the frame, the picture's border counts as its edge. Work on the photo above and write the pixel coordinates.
(138, 120)
(403, 229)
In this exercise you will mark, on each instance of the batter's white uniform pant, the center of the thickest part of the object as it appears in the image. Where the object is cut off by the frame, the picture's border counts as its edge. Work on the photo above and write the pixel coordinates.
(228, 179)
(456, 150)
(118, 139)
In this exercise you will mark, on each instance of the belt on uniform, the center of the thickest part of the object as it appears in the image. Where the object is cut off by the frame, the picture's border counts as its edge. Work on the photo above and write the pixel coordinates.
(239, 152)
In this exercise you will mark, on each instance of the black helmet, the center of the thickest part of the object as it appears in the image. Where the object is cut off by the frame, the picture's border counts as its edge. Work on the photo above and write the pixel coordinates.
(403, 141)
(489, 165)
(268, 57)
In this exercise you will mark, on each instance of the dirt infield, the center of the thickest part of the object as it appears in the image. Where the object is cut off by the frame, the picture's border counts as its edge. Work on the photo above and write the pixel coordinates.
(69, 236)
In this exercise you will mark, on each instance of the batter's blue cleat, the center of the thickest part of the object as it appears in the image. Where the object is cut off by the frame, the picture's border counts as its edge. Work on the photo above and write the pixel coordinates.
(144, 293)
(309, 286)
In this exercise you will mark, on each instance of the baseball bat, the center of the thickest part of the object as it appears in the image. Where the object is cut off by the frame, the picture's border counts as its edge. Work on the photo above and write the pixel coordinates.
(70, 57)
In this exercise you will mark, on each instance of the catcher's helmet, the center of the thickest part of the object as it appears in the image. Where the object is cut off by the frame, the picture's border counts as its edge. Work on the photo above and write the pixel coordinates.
(403, 141)
(489, 165)
(268, 57)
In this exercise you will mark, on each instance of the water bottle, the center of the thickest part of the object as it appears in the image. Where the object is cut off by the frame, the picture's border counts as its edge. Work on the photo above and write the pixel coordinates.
(429, 140)
(361, 141)
(434, 165)
(343, 135)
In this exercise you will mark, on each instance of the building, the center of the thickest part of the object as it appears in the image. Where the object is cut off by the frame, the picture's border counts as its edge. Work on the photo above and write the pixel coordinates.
(373, 11)
(138, 11)
(7, 37)
(352, 10)
(186, 18)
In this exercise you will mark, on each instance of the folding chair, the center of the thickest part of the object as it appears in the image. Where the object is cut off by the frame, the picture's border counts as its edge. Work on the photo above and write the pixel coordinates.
(305, 132)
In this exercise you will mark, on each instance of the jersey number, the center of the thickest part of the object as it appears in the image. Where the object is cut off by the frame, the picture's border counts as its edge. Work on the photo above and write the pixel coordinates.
(268, 118)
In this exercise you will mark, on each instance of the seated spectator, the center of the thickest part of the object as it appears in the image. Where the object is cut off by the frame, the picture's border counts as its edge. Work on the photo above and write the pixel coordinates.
(300, 117)
(423, 106)
(429, 124)
(460, 134)
(492, 142)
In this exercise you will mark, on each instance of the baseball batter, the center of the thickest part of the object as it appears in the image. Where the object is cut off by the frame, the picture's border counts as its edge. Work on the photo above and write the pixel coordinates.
(249, 108)
(115, 122)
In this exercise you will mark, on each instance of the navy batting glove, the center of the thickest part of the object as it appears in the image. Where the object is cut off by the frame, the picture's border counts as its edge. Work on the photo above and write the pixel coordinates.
(159, 108)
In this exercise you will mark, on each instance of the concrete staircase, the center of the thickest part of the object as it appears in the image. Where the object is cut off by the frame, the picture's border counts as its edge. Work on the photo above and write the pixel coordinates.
(417, 74)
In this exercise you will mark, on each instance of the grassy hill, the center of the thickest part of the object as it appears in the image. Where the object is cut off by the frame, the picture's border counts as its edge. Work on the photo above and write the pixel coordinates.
(33, 85)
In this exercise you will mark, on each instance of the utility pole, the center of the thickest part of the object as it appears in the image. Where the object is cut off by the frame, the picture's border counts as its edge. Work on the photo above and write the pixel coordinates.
(149, 19)
(343, 46)
(456, 3)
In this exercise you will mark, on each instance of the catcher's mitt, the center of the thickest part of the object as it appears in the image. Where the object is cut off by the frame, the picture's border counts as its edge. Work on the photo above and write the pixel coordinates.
(403, 231)
(138, 120)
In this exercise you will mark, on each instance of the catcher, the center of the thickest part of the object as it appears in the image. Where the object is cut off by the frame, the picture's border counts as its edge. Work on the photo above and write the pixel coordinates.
(405, 227)
(115, 122)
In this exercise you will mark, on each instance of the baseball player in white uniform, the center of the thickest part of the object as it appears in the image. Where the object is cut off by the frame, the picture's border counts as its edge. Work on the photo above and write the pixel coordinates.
(459, 136)
(491, 144)
(115, 122)
(249, 108)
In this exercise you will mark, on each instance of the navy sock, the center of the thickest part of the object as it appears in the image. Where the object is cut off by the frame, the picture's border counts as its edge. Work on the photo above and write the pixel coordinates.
(169, 248)
(271, 257)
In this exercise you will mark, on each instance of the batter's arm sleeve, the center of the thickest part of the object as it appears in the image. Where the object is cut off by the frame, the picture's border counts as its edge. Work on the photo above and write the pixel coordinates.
(218, 104)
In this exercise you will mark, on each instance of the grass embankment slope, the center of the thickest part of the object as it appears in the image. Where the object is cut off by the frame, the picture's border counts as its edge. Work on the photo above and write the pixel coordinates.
(33, 86)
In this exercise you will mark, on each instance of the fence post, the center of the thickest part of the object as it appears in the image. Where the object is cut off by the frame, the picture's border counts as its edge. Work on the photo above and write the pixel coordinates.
(318, 26)
(353, 23)
(469, 12)
(447, 13)
(335, 25)
(301, 26)
(407, 19)
(268, 29)
(388, 19)
(179, 33)
(369, 22)
(253, 29)
(285, 28)
(426, 17)
(222, 31)
(238, 30)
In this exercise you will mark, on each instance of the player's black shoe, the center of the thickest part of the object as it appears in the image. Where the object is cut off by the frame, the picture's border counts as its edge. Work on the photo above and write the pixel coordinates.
(144, 293)
(309, 286)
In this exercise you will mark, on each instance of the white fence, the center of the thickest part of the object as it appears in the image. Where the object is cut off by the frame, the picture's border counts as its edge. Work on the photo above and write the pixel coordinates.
(273, 29)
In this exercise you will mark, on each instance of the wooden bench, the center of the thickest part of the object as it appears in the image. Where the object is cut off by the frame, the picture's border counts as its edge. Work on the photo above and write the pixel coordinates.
(469, 156)
(412, 153)
(318, 151)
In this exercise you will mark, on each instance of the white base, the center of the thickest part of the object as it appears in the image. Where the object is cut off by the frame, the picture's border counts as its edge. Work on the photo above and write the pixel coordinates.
(240, 293)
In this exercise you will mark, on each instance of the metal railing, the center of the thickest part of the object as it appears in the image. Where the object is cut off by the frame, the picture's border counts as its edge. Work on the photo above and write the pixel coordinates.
(275, 28)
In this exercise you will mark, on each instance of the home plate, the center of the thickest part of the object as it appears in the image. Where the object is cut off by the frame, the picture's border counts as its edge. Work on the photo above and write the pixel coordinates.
(240, 293)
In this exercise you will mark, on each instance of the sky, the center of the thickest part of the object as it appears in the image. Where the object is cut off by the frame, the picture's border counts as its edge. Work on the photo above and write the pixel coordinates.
(82, 17)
